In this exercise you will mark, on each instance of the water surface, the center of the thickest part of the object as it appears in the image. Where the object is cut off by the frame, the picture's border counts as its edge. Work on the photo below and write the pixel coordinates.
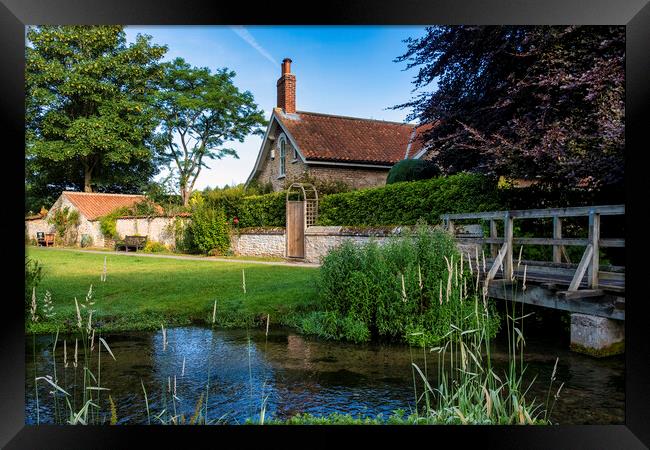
(287, 373)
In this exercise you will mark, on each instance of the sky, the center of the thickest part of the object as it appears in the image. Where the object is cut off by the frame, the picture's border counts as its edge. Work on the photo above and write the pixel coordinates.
(344, 70)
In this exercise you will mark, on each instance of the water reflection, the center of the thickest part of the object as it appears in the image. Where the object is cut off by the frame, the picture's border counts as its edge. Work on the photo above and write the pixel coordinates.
(291, 374)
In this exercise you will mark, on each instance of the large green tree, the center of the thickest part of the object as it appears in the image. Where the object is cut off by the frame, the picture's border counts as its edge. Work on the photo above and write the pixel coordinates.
(89, 109)
(201, 113)
(537, 102)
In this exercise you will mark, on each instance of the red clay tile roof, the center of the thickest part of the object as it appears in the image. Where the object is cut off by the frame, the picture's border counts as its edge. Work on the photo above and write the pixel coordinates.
(94, 205)
(324, 137)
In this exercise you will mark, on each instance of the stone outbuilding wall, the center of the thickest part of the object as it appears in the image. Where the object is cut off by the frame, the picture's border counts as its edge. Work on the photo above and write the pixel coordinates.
(159, 229)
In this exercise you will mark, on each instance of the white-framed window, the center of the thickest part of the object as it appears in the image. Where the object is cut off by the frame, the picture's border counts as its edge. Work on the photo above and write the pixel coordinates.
(283, 156)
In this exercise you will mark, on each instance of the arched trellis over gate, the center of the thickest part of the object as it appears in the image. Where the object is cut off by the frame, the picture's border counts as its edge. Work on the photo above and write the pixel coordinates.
(302, 212)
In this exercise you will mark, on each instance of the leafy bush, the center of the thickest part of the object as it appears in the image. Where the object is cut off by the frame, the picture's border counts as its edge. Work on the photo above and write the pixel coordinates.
(65, 223)
(412, 170)
(406, 203)
(33, 275)
(86, 240)
(208, 230)
(154, 247)
(397, 290)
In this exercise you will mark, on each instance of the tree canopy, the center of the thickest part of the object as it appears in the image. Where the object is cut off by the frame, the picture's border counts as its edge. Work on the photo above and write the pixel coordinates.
(201, 112)
(89, 109)
(536, 102)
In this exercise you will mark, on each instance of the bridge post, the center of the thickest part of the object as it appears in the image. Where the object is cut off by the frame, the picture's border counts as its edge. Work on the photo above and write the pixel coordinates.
(594, 238)
(494, 248)
(507, 236)
(557, 234)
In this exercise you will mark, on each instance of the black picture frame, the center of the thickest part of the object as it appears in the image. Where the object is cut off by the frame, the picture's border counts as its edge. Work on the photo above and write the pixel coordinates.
(634, 14)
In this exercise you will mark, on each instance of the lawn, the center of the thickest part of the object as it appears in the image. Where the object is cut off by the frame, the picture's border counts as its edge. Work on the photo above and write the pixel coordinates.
(142, 293)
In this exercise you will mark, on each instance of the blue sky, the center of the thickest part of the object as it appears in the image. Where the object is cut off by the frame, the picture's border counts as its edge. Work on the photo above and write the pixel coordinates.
(345, 70)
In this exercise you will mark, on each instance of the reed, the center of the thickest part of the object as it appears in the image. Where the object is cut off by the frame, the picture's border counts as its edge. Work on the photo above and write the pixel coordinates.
(468, 391)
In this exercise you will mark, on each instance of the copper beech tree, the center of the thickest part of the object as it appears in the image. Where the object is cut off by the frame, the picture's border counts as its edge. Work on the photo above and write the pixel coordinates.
(538, 102)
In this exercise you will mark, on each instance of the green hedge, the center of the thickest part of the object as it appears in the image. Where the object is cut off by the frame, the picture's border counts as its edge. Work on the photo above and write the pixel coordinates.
(406, 203)
(266, 210)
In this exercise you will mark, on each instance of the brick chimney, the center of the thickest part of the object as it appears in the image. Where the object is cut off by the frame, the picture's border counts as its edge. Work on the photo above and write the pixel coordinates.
(287, 88)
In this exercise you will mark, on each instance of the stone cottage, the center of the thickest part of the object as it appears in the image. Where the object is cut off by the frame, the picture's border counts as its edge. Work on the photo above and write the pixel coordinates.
(355, 151)
(91, 207)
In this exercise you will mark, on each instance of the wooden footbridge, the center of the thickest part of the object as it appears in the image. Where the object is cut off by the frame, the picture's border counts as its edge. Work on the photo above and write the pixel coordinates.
(586, 287)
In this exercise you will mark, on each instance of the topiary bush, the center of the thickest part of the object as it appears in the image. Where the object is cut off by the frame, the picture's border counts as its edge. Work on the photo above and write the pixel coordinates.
(412, 170)
(398, 290)
(406, 203)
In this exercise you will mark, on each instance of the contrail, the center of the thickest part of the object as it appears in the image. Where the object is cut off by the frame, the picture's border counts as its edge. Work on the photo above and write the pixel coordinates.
(250, 40)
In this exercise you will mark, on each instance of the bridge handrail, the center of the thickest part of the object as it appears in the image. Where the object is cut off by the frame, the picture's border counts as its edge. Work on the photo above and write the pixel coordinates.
(579, 211)
(589, 264)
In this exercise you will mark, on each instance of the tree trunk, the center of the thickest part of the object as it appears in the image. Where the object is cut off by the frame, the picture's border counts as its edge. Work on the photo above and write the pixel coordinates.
(185, 195)
(87, 179)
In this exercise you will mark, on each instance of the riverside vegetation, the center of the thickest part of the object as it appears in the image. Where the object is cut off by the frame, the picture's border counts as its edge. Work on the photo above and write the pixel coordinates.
(434, 301)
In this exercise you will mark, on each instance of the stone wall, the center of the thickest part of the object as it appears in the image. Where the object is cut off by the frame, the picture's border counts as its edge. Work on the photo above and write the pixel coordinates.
(34, 226)
(259, 242)
(318, 240)
(159, 229)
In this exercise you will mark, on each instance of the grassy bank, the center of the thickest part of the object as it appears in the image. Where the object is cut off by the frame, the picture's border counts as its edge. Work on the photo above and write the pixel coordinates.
(140, 293)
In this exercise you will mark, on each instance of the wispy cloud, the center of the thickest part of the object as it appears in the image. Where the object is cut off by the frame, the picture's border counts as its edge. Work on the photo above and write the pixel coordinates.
(250, 40)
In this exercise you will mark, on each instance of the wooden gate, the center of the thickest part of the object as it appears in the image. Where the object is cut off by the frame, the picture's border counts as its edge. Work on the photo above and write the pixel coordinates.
(302, 211)
(296, 229)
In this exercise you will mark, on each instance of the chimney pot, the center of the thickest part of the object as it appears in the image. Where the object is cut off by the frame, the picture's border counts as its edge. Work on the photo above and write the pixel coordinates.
(286, 66)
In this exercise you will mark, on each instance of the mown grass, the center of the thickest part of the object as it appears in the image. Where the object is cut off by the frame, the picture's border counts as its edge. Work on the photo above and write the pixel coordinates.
(140, 293)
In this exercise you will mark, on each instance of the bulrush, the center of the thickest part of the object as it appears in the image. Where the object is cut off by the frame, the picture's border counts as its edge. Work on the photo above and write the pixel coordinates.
(76, 304)
(65, 355)
(214, 312)
(243, 280)
(164, 337)
(103, 276)
(183, 369)
(33, 309)
(420, 278)
(89, 326)
(524, 282)
(404, 298)
(76, 353)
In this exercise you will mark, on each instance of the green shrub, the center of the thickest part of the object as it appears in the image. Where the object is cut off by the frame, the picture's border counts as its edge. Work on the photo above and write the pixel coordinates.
(331, 325)
(65, 223)
(412, 170)
(86, 240)
(33, 275)
(364, 283)
(406, 203)
(154, 247)
(208, 229)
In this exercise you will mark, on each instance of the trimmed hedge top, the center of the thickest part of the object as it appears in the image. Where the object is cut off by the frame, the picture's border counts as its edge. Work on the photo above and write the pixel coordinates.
(406, 203)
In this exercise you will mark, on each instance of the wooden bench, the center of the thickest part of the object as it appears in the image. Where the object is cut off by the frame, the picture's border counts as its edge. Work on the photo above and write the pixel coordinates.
(135, 242)
(44, 239)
